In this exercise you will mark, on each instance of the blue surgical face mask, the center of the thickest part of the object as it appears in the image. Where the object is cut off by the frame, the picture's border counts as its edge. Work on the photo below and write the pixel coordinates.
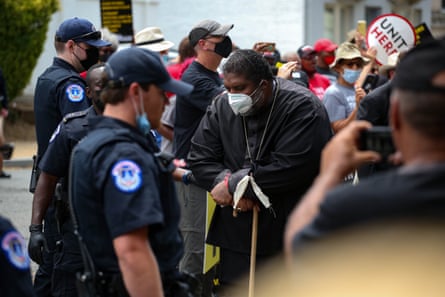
(350, 75)
(142, 122)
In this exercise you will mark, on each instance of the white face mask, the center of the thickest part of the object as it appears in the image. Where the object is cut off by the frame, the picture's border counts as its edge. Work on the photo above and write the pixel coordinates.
(241, 103)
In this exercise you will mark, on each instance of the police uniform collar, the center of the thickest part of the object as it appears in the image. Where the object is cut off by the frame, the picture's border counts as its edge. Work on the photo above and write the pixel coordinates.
(121, 128)
(61, 62)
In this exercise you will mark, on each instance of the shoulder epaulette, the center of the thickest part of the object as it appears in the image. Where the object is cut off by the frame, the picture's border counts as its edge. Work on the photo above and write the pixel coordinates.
(74, 115)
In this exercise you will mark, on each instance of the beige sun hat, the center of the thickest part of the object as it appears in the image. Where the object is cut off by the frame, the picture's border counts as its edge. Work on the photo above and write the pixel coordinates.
(347, 51)
(391, 64)
(152, 38)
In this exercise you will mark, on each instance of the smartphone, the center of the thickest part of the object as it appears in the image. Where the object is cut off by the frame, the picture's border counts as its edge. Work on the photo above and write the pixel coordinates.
(361, 27)
(370, 82)
(268, 47)
(378, 139)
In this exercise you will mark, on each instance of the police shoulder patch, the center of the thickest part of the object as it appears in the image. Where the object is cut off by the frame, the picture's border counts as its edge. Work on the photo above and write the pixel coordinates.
(75, 93)
(14, 247)
(127, 176)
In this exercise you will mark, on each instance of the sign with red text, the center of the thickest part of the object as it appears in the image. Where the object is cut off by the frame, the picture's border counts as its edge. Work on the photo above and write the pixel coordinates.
(390, 33)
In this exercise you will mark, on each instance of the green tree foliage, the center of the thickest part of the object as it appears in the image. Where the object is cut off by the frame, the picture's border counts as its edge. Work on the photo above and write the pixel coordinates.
(22, 36)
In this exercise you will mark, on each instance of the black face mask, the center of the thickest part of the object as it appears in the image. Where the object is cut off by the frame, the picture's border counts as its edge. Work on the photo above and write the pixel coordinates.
(92, 58)
(224, 48)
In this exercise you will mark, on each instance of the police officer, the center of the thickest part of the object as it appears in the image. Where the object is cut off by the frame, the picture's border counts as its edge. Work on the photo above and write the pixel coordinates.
(122, 194)
(15, 273)
(59, 91)
(54, 171)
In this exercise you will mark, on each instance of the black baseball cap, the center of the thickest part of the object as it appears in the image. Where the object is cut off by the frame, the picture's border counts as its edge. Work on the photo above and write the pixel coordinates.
(305, 51)
(80, 30)
(140, 65)
(417, 69)
(207, 28)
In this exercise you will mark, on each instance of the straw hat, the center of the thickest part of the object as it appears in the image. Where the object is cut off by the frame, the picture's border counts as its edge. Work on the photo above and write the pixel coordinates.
(152, 38)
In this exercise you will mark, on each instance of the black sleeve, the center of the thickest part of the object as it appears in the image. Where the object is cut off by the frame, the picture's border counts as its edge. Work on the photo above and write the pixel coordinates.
(374, 106)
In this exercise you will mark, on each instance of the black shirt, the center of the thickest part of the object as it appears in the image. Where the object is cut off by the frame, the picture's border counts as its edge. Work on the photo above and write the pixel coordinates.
(60, 90)
(118, 185)
(374, 107)
(190, 109)
(68, 133)
(395, 193)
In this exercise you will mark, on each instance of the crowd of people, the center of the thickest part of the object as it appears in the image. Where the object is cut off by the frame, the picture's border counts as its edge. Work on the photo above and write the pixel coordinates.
(132, 144)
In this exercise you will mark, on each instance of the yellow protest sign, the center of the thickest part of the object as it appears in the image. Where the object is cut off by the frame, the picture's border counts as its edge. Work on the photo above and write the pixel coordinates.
(211, 252)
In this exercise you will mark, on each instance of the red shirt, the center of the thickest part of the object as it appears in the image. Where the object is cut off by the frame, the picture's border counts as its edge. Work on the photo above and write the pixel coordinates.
(318, 85)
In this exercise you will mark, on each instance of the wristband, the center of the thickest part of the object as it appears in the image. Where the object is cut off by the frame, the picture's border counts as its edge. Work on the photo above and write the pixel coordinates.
(185, 178)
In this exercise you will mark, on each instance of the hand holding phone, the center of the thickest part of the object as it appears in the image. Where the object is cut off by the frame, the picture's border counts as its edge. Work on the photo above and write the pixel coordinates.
(378, 139)
(264, 46)
(361, 27)
(370, 82)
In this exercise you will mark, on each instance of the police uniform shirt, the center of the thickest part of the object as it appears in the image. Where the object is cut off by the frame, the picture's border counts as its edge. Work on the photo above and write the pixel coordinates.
(119, 188)
(70, 131)
(15, 276)
(59, 91)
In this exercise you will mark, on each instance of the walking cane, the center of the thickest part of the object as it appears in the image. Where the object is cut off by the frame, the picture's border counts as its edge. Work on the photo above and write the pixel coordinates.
(239, 191)
(253, 252)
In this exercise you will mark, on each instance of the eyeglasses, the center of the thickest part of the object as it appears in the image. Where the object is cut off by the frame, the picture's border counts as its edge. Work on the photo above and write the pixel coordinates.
(91, 35)
(213, 36)
(95, 35)
(85, 49)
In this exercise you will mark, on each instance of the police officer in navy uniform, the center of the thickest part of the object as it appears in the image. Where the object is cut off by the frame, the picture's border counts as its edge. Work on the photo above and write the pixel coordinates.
(54, 174)
(121, 192)
(15, 271)
(60, 90)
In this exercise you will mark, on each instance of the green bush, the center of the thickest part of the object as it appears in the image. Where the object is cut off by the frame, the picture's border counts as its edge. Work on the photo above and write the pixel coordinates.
(22, 37)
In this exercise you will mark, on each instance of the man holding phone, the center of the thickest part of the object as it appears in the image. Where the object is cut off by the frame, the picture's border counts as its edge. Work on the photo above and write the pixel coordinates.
(414, 189)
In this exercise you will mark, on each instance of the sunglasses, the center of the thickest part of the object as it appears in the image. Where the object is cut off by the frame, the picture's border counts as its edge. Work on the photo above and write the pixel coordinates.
(91, 35)
(95, 35)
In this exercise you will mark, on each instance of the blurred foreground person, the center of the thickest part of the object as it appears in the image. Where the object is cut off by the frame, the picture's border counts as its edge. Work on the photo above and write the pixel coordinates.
(15, 270)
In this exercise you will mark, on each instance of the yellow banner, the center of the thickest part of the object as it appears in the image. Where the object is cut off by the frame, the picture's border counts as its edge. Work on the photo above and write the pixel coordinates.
(211, 252)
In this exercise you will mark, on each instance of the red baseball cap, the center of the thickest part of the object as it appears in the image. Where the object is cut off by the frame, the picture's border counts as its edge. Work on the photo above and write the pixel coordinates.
(324, 45)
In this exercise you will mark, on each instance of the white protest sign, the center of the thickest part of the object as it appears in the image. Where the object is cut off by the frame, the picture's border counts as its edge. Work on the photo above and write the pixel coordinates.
(390, 33)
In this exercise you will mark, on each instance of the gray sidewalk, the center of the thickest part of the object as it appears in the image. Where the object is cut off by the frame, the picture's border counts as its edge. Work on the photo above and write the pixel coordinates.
(18, 162)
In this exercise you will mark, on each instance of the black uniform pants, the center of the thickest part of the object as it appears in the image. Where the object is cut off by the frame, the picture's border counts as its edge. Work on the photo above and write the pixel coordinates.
(43, 277)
